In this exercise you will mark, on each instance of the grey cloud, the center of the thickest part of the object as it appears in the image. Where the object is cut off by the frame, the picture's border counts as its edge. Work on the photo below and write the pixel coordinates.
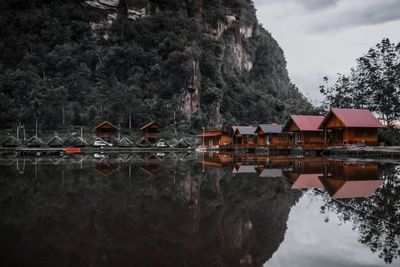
(372, 13)
(309, 5)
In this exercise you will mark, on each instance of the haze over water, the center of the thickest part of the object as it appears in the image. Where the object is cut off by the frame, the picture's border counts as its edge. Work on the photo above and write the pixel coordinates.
(198, 210)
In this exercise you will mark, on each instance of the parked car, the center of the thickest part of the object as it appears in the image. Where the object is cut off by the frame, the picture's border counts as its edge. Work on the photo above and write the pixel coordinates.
(162, 144)
(100, 143)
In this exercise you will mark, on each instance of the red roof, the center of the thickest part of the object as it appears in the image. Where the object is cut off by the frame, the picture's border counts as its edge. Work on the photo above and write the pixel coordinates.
(307, 122)
(106, 123)
(307, 181)
(151, 124)
(352, 189)
(356, 118)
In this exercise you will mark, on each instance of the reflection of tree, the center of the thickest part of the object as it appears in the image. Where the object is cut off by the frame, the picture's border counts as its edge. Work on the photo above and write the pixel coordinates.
(178, 217)
(376, 218)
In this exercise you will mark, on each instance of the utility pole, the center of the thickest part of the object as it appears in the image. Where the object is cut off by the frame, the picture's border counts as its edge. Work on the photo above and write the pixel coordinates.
(130, 120)
(19, 125)
(63, 115)
(36, 128)
(119, 131)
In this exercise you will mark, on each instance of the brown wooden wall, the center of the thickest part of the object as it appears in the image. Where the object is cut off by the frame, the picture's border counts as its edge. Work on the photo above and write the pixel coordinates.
(276, 139)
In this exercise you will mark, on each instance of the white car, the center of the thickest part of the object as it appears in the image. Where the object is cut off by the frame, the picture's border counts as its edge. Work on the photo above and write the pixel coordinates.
(162, 144)
(100, 143)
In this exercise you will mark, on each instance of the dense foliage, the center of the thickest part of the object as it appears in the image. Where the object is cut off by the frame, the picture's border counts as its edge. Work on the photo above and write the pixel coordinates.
(376, 218)
(374, 83)
(55, 67)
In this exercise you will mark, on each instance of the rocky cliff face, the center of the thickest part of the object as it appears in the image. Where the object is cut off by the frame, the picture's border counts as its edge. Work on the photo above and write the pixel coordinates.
(230, 30)
(195, 62)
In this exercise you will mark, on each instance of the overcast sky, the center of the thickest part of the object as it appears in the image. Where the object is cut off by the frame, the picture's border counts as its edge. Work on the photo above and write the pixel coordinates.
(324, 37)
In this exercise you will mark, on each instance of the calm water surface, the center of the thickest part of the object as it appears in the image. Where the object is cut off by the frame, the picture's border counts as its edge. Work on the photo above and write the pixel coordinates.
(198, 210)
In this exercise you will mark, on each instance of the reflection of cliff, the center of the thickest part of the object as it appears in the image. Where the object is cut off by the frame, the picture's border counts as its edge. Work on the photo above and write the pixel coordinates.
(70, 215)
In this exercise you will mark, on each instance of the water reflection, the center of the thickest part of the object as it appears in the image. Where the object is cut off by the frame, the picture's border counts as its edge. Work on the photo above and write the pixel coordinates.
(207, 209)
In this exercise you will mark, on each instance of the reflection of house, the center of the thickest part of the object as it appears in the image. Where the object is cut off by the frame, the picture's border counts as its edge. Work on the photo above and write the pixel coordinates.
(272, 135)
(107, 131)
(213, 139)
(215, 160)
(351, 126)
(349, 180)
(106, 168)
(239, 168)
(304, 131)
(151, 168)
(151, 131)
(305, 173)
(243, 135)
(305, 181)
(273, 173)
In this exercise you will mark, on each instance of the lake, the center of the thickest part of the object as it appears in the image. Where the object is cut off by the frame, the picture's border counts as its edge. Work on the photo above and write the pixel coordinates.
(190, 209)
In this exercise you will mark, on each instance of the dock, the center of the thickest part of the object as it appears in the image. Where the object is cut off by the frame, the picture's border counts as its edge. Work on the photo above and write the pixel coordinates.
(392, 152)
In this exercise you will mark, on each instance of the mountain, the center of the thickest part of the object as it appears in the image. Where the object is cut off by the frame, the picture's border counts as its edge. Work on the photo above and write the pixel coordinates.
(188, 63)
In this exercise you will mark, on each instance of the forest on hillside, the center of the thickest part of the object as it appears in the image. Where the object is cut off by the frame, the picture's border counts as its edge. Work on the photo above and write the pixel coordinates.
(65, 63)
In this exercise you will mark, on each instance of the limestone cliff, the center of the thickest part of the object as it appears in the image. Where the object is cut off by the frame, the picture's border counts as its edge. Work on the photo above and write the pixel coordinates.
(195, 62)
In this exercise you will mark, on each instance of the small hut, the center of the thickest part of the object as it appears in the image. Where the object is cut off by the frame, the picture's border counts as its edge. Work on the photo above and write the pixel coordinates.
(351, 126)
(143, 142)
(10, 141)
(151, 131)
(55, 142)
(78, 142)
(98, 139)
(213, 139)
(182, 143)
(107, 131)
(243, 135)
(125, 142)
(34, 142)
(272, 135)
(304, 131)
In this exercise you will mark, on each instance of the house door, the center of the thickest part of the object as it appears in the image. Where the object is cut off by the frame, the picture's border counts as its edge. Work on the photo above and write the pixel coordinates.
(297, 138)
(338, 137)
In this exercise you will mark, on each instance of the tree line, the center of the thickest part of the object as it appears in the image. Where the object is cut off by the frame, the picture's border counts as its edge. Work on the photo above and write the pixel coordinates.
(374, 84)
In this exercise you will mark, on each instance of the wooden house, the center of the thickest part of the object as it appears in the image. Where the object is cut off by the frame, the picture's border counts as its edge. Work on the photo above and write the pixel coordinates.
(351, 180)
(125, 142)
(304, 132)
(214, 139)
(35, 142)
(9, 141)
(79, 142)
(182, 143)
(151, 131)
(244, 136)
(272, 135)
(106, 131)
(143, 142)
(350, 126)
(55, 142)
